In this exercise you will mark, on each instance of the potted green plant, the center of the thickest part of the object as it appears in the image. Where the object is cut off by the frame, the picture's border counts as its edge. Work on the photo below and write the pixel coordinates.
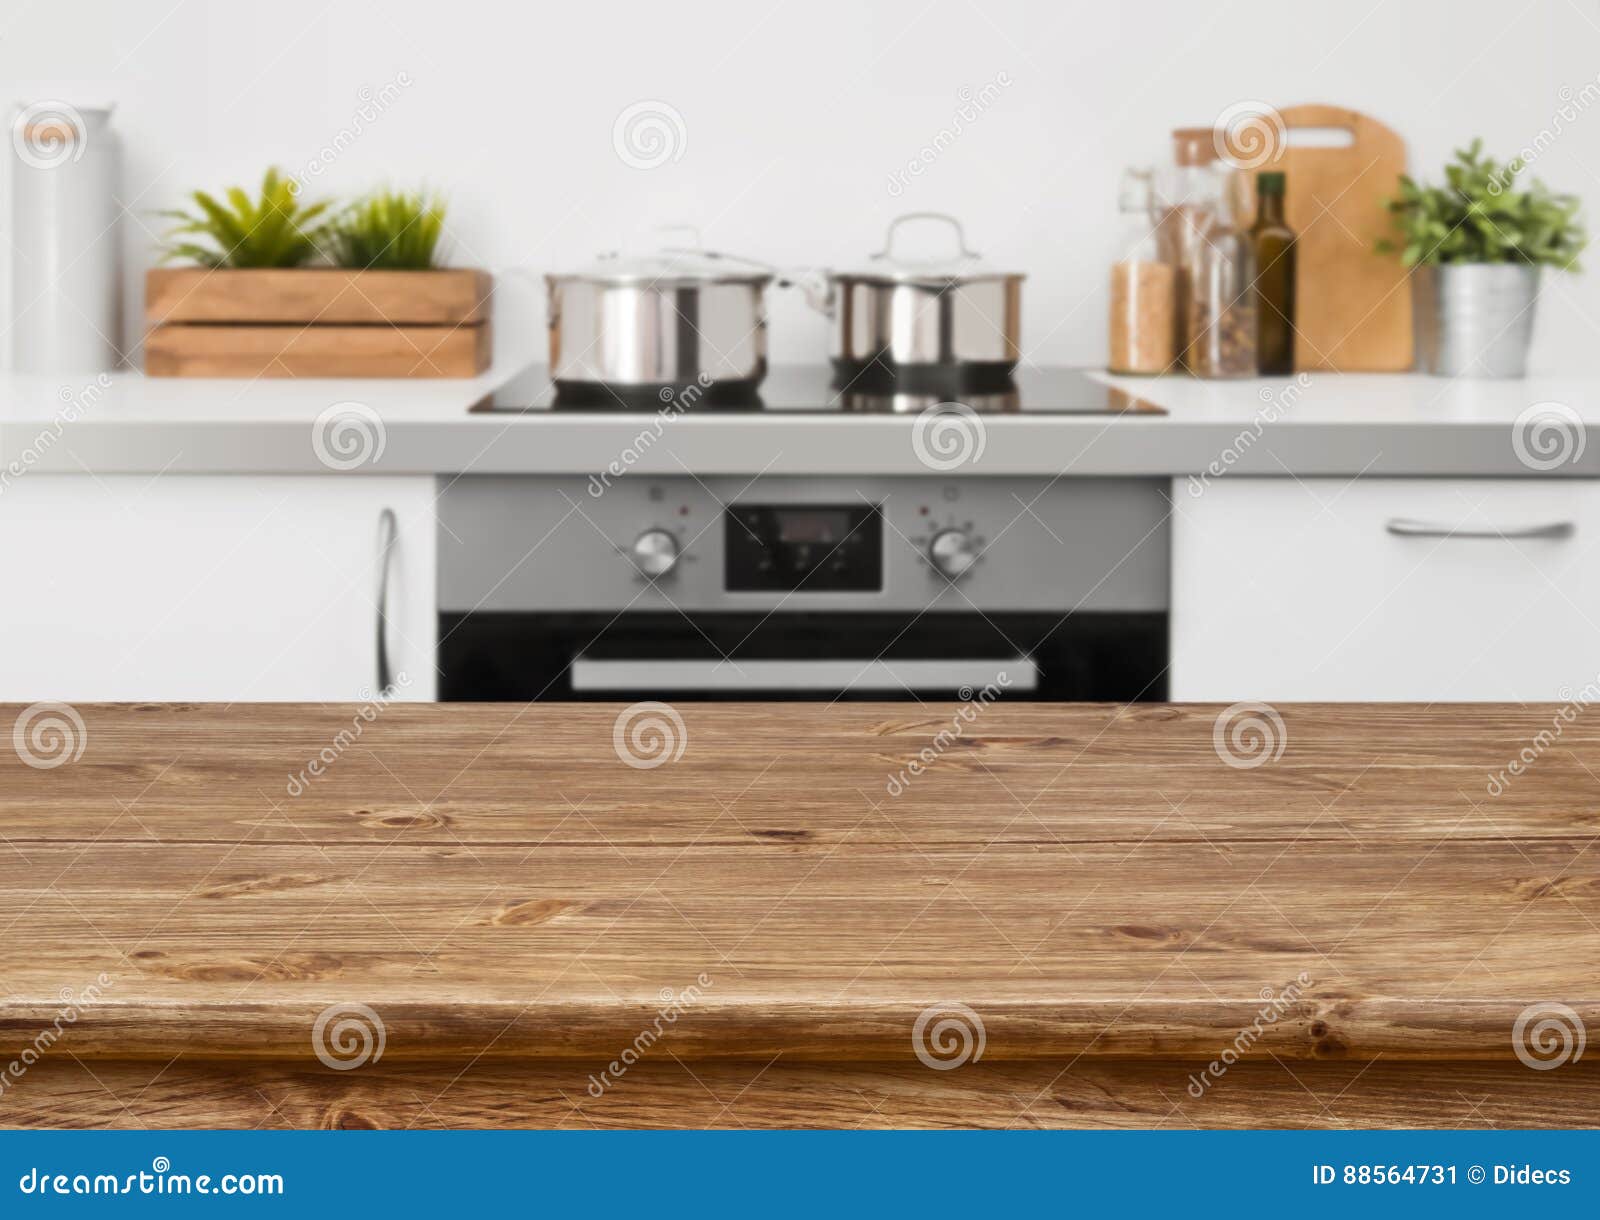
(281, 287)
(1476, 246)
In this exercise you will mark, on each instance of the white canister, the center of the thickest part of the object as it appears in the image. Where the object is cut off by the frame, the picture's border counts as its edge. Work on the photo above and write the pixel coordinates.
(65, 291)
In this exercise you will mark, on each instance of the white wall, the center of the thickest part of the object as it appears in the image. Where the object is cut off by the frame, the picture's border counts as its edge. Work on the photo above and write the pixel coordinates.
(796, 114)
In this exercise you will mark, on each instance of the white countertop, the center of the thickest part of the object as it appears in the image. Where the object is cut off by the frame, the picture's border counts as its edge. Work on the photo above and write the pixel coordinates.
(1316, 424)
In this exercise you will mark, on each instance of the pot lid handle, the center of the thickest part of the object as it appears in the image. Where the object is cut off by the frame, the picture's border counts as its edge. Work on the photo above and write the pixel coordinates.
(961, 238)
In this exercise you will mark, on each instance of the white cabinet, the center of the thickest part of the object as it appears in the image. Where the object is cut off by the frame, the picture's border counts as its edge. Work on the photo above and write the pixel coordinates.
(1403, 589)
(228, 588)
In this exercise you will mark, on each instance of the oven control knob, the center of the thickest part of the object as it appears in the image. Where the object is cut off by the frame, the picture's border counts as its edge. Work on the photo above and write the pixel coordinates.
(655, 553)
(952, 552)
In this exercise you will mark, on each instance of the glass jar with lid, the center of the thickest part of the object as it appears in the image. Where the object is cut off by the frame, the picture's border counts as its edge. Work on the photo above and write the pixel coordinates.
(1144, 320)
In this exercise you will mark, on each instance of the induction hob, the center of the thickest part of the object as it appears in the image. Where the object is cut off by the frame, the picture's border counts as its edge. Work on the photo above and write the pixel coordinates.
(811, 390)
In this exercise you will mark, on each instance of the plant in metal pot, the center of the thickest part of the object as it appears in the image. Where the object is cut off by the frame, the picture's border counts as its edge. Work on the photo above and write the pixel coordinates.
(389, 230)
(1476, 245)
(273, 229)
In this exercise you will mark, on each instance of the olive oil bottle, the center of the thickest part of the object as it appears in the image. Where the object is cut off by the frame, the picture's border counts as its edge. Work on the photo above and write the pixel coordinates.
(1274, 249)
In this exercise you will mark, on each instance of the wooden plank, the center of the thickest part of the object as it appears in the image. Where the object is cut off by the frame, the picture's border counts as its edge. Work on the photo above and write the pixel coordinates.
(498, 880)
(317, 351)
(666, 1093)
(322, 296)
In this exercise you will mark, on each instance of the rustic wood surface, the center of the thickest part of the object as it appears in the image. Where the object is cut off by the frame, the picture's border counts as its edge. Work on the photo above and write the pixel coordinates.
(184, 350)
(323, 296)
(667, 1092)
(1097, 885)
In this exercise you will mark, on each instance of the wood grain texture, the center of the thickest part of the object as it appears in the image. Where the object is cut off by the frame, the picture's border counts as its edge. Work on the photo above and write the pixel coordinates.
(184, 350)
(1095, 883)
(321, 296)
(1097, 877)
(663, 1092)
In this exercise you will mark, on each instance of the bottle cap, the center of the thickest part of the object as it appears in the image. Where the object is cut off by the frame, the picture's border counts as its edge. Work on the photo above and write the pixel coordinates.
(1270, 183)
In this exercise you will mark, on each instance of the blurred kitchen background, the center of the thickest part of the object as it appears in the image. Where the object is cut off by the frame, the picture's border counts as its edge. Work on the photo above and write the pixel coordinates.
(799, 121)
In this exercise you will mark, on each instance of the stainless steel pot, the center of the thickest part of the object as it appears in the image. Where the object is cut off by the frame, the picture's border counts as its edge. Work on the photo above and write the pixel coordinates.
(936, 326)
(1474, 319)
(637, 328)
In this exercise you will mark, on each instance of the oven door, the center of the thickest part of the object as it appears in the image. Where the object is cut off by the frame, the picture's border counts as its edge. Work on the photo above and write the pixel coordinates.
(516, 657)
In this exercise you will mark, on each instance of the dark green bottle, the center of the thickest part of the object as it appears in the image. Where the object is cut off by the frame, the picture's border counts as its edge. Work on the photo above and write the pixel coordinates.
(1274, 246)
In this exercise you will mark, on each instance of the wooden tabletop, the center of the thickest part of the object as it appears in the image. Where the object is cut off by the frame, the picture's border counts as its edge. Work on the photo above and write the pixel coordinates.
(506, 881)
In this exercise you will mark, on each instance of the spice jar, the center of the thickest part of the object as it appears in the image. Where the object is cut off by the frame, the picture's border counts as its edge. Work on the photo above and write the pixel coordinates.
(1144, 288)
(1190, 196)
(1222, 304)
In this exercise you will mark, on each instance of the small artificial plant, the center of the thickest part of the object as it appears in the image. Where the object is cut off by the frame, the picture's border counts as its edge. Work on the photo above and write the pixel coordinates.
(273, 230)
(1476, 217)
(388, 230)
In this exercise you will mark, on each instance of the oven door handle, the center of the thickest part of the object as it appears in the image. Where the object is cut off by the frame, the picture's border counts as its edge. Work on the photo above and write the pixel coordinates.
(964, 677)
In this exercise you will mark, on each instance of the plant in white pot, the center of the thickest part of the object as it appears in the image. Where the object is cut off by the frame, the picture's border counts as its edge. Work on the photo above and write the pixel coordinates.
(1476, 247)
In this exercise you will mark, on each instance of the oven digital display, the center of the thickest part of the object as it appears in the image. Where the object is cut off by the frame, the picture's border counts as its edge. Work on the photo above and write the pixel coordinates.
(815, 526)
(803, 548)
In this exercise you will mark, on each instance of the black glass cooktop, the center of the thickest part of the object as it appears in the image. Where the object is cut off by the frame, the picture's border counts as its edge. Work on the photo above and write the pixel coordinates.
(812, 390)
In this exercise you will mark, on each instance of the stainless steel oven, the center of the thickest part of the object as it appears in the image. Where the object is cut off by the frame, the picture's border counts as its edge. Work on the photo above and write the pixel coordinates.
(815, 588)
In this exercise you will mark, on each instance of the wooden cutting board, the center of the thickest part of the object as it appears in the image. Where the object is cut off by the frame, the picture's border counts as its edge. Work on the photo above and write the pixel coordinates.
(1353, 306)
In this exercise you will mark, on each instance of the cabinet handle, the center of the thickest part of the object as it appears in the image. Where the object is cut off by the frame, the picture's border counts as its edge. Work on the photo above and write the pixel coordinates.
(388, 533)
(1407, 528)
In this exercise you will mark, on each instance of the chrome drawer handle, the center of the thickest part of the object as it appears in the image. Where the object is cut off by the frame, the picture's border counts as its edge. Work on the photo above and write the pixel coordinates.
(388, 531)
(1407, 528)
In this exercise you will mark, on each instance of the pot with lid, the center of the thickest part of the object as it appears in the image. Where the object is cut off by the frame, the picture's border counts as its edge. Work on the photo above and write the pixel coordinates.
(943, 326)
(640, 330)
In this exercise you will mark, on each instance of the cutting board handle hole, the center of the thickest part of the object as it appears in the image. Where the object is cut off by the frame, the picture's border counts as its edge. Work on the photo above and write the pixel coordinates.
(1320, 137)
